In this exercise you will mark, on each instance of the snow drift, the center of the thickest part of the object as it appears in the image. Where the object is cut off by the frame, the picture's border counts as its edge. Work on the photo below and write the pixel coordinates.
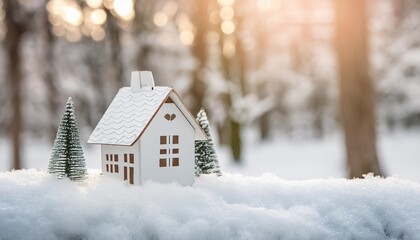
(34, 205)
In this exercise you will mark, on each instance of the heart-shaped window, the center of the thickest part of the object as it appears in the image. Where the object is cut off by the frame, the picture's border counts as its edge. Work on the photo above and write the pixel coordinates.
(170, 117)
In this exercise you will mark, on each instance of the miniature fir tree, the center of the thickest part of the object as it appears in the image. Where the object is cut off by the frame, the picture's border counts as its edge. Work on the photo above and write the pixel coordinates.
(67, 158)
(205, 155)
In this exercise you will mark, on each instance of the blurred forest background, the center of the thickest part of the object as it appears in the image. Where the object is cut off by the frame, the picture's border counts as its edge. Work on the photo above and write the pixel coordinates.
(276, 66)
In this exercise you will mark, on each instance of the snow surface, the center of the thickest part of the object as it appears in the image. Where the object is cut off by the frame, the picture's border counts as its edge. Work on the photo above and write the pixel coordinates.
(304, 159)
(292, 159)
(35, 205)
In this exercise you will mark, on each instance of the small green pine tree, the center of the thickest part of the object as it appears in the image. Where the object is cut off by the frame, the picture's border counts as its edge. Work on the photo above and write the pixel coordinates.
(67, 158)
(205, 155)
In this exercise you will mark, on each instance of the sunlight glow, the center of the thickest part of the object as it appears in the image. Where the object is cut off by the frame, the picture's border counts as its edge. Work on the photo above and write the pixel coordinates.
(73, 15)
(54, 20)
(184, 23)
(226, 13)
(94, 3)
(98, 16)
(124, 9)
(186, 37)
(54, 6)
(170, 8)
(74, 19)
(226, 2)
(228, 27)
(264, 4)
(160, 19)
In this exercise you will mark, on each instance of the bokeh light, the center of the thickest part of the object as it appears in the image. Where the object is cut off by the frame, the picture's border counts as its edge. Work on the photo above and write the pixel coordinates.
(160, 19)
(226, 13)
(228, 27)
(98, 16)
(124, 8)
(186, 37)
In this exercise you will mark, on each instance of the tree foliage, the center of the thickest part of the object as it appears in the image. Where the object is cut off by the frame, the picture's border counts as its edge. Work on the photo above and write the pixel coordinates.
(67, 158)
(205, 155)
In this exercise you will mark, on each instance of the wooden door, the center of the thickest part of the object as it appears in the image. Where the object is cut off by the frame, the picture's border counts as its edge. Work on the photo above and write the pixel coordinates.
(131, 175)
(129, 167)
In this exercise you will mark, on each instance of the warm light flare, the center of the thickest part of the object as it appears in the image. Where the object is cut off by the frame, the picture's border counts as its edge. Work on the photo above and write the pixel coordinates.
(264, 4)
(98, 16)
(55, 6)
(160, 19)
(72, 19)
(73, 15)
(170, 8)
(226, 2)
(184, 23)
(124, 9)
(226, 13)
(54, 20)
(94, 3)
(228, 27)
(186, 37)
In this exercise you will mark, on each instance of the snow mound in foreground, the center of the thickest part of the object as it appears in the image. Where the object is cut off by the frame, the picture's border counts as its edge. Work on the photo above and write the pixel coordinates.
(34, 205)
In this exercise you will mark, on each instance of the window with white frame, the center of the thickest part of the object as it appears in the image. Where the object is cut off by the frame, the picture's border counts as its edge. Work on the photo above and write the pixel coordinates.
(111, 164)
(169, 151)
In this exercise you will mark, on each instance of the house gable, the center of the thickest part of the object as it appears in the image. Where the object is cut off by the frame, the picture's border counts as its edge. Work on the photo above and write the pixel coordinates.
(174, 98)
(167, 147)
(199, 133)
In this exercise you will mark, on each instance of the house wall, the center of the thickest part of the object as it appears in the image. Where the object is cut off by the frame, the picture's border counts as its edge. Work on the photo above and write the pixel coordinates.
(120, 151)
(150, 148)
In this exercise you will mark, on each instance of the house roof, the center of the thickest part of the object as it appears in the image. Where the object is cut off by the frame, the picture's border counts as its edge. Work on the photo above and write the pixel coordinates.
(130, 113)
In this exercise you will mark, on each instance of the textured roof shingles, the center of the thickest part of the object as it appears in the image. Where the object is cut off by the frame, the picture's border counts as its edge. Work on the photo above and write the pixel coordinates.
(128, 115)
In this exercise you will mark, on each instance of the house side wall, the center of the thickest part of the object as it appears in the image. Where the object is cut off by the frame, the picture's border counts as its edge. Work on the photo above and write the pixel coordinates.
(151, 146)
(120, 151)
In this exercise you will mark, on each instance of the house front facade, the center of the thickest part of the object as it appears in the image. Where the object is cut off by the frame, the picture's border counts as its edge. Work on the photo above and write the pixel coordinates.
(147, 134)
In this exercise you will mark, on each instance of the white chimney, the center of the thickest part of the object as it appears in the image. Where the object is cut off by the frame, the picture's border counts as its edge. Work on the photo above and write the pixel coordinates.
(146, 79)
(141, 79)
(135, 81)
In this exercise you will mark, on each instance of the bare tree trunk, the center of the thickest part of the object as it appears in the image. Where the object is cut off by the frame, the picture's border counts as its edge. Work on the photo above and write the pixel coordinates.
(50, 76)
(199, 49)
(114, 38)
(264, 121)
(356, 88)
(399, 8)
(231, 127)
(13, 39)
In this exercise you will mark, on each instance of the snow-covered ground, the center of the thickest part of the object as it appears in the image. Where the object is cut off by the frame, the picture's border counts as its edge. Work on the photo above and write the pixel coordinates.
(399, 155)
(35, 205)
(258, 199)
(287, 158)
